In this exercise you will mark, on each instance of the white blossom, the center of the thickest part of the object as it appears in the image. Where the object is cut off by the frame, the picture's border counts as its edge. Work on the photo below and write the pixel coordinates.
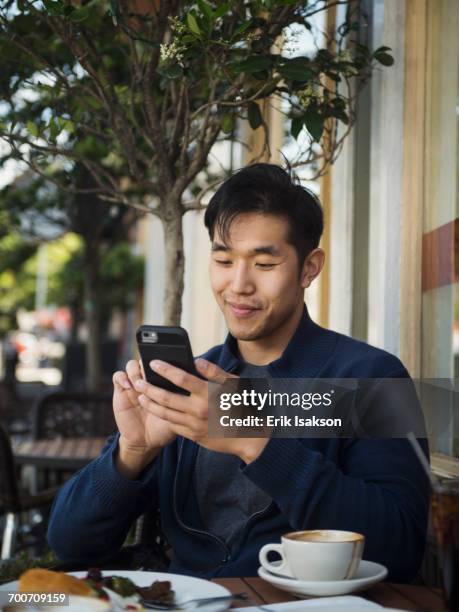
(171, 51)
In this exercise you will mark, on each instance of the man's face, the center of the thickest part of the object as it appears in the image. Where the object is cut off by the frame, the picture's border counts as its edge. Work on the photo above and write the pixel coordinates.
(255, 276)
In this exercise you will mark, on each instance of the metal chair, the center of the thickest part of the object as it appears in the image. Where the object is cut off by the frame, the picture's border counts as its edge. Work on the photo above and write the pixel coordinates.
(73, 415)
(150, 550)
(7, 399)
(151, 541)
(13, 502)
(14, 413)
(68, 415)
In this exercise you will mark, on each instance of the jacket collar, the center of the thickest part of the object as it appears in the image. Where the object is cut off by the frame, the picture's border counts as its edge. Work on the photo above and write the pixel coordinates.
(305, 355)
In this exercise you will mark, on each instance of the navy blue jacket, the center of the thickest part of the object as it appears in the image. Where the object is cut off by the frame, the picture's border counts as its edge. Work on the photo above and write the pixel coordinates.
(373, 486)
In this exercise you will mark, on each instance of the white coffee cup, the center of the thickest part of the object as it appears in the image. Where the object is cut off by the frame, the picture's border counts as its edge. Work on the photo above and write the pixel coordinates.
(320, 554)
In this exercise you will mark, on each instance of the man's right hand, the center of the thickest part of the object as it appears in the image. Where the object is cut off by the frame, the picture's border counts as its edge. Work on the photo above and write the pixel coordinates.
(142, 434)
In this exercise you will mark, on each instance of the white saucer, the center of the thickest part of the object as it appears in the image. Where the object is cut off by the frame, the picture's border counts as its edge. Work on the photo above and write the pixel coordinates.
(369, 573)
(276, 572)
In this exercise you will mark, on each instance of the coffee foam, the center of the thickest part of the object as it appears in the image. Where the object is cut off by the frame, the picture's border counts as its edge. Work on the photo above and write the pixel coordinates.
(324, 535)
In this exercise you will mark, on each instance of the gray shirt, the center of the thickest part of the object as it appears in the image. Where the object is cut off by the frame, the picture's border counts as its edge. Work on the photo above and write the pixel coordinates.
(226, 497)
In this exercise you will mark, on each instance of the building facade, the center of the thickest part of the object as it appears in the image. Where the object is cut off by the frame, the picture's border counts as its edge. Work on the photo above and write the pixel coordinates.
(391, 205)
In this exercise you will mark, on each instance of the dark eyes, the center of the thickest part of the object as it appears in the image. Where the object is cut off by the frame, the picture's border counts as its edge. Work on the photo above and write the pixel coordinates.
(228, 262)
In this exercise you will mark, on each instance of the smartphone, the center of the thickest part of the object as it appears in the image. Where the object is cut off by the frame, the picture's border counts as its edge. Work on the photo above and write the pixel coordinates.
(170, 344)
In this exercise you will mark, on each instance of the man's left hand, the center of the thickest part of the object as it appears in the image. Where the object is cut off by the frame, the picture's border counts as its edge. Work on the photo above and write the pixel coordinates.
(188, 414)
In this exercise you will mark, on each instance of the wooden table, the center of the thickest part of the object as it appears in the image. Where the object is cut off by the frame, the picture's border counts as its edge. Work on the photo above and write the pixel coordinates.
(401, 596)
(62, 454)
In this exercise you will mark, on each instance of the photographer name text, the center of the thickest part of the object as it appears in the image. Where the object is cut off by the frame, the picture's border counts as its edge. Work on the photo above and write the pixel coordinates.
(277, 421)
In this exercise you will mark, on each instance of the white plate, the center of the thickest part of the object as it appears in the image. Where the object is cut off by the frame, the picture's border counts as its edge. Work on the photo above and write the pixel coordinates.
(185, 587)
(369, 573)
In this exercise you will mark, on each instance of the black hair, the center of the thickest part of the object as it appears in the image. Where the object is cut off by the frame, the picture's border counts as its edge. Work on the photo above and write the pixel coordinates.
(271, 190)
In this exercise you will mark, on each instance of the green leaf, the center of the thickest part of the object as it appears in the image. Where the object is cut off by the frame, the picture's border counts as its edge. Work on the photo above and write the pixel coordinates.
(382, 50)
(338, 102)
(94, 103)
(333, 76)
(342, 116)
(69, 126)
(53, 8)
(113, 11)
(193, 24)
(254, 115)
(314, 124)
(68, 10)
(324, 55)
(296, 69)
(227, 123)
(32, 128)
(53, 130)
(296, 126)
(221, 10)
(171, 71)
(254, 63)
(363, 50)
(206, 9)
(384, 58)
(80, 14)
(337, 112)
(242, 28)
(268, 89)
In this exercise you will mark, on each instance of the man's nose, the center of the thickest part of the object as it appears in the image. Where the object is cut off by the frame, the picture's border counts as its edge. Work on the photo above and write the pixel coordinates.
(242, 281)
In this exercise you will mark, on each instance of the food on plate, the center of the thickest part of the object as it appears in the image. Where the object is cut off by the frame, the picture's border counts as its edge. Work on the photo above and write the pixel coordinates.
(46, 581)
(159, 591)
(95, 584)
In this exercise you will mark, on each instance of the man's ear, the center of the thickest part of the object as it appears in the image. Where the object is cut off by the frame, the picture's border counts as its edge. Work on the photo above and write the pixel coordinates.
(312, 267)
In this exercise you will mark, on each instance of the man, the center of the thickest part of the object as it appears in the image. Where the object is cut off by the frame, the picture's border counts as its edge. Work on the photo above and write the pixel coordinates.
(221, 499)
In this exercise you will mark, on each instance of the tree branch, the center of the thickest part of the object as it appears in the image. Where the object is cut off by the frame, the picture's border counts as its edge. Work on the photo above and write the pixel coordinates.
(166, 173)
(180, 120)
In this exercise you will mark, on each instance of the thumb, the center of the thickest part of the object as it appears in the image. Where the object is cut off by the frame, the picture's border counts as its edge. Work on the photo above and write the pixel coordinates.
(211, 371)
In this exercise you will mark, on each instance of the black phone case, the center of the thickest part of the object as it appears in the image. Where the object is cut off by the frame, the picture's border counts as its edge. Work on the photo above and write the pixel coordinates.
(173, 346)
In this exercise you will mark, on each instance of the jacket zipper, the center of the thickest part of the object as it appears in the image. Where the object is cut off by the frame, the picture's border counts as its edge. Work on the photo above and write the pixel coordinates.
(200, 531)
(252, 517)
(192, 529)
(256, 514)
(263, 510)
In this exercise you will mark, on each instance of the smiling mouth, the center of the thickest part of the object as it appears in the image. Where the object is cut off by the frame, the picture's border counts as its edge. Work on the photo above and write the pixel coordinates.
(242, 310)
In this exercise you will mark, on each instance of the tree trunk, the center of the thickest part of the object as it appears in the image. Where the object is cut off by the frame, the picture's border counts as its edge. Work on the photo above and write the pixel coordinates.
(75, 316)
(92, 317)
(174, 267)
